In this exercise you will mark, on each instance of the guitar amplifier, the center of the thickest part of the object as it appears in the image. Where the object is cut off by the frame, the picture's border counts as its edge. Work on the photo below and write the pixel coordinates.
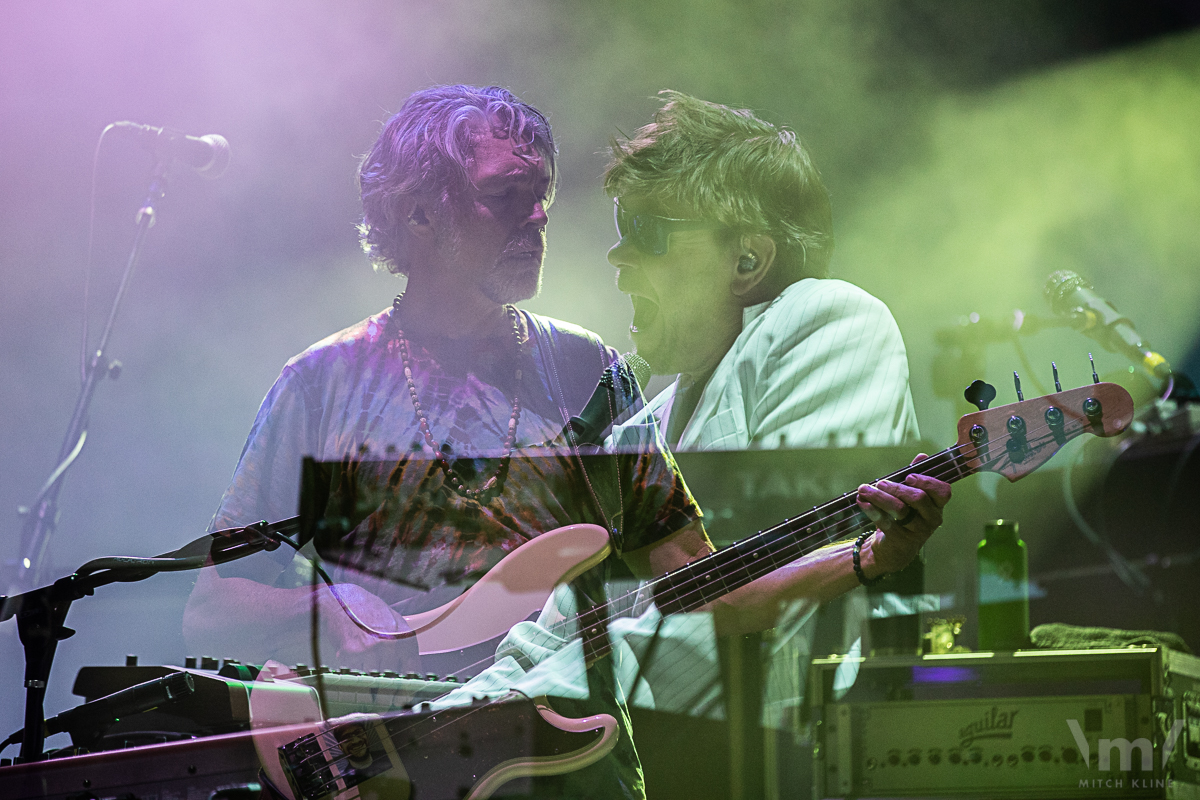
(1085, 723)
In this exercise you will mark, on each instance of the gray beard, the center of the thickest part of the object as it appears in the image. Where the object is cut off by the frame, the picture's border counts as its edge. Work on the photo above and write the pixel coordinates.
(502, 286)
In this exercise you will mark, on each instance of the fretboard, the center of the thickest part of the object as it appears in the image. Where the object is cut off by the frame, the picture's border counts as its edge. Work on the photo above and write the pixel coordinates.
(719, 573)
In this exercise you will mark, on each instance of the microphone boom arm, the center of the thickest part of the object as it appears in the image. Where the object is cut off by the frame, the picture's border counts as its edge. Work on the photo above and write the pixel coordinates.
(41, 613)
(40, 518)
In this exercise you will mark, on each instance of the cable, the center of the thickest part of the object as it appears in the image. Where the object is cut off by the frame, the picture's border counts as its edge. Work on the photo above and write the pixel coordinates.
(1029, 370)
(1170, 387)
(320, 571)
(1128, 572)
(87, 270)
(1177, 471)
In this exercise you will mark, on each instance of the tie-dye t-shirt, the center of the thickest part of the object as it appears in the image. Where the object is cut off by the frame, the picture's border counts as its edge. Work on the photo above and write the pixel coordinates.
(346, 398)
(401, 526)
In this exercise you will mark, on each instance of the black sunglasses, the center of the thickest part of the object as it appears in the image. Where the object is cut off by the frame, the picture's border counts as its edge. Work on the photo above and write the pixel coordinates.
(650, 232)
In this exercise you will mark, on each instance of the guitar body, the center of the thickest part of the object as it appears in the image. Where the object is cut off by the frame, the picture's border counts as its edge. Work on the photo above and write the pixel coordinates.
(460, 752)
(512, 590)
(469, 752)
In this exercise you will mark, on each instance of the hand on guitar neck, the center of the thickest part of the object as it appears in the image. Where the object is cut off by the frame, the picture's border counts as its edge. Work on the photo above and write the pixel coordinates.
(917, 503)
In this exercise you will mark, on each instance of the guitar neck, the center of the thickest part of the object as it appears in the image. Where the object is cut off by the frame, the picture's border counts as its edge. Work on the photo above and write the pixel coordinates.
(720, 573)
(1011, 440)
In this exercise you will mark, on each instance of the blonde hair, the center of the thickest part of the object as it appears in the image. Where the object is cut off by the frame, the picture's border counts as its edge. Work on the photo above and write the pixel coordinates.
(733, 168)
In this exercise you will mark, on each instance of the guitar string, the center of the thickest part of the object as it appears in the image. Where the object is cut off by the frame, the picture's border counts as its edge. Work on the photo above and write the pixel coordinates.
(950, 452)
(946, 463)
(617, 606)
(327, 751)
(983, 453)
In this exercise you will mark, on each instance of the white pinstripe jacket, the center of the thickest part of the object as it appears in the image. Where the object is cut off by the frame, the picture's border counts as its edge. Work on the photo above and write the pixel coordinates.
(821, 365)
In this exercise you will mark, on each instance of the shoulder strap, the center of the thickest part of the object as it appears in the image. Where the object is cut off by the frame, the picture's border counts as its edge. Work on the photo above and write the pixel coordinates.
(561, 351)
(574, 358)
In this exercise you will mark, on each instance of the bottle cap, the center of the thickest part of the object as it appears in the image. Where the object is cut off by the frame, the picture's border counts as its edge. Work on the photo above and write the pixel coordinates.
(1001, 526)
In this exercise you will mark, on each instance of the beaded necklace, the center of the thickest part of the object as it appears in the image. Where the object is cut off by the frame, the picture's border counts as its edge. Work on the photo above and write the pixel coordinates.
(452, 477)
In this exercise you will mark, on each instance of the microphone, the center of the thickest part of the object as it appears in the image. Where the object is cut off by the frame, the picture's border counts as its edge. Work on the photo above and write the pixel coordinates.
(639, 367)
(1071, 296)
(208, 155)
(88, 721)
(596, 418)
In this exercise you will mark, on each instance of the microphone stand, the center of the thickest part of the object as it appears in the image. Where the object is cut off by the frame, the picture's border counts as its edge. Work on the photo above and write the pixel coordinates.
(962, 348)
(41, 516)
(41, 612)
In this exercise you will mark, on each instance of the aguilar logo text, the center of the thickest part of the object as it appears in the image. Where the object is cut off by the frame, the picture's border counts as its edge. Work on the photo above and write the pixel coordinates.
(995, 724)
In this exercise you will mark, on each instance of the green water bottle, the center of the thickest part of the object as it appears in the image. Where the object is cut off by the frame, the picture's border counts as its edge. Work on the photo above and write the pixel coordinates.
(1003, 588)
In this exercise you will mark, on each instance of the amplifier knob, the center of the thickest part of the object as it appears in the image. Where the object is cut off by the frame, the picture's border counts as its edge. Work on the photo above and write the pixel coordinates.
(997, 760)
(893, 758)
(1012, 759)
(955, 757)
(1044, 753)
(872, 763)
(1069, 755)
(935, 756)
(1027, 754)
(914, 757)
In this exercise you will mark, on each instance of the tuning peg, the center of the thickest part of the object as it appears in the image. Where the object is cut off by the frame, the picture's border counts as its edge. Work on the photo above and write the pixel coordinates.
(1057, 385)
(1017, 381)
(1095, 377)
(980, 394)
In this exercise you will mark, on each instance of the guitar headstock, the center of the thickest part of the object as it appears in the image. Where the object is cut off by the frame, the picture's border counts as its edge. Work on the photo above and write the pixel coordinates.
(1016, 439)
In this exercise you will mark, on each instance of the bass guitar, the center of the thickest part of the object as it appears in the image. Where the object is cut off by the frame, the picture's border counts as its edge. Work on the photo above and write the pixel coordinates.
(413, 752)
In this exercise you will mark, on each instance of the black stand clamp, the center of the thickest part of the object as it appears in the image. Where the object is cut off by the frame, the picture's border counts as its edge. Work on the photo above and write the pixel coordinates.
(41, 613)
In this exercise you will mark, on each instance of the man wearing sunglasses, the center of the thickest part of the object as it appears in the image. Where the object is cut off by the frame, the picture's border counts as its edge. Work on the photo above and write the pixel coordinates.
(725, 237)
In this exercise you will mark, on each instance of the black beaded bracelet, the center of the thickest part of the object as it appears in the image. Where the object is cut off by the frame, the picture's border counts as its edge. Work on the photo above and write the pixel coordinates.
(857, 557)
